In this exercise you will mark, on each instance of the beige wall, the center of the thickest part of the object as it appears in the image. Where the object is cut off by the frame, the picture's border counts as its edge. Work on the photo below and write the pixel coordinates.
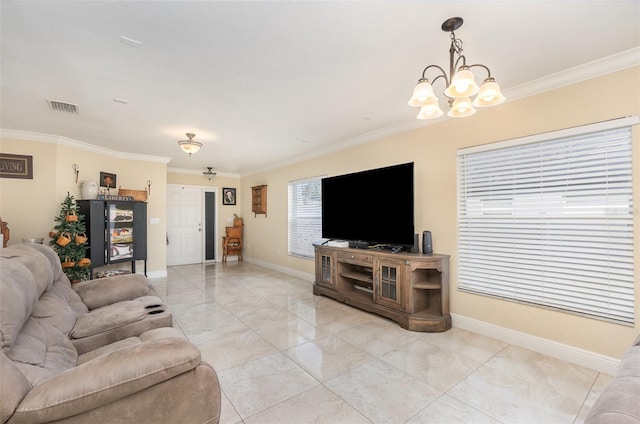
(433, 149)
(30, 206)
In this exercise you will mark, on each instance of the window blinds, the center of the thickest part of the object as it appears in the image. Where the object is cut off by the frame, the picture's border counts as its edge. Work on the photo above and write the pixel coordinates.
(550, 222)
(305, 216)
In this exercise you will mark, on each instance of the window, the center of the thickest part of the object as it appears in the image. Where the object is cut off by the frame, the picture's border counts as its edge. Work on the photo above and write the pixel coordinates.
(548, 220)
(305, 216)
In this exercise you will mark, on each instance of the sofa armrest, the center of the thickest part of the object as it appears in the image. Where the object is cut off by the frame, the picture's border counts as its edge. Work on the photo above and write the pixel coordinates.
(107, 378)
(108, 318)
(618, 403)
(105, 291)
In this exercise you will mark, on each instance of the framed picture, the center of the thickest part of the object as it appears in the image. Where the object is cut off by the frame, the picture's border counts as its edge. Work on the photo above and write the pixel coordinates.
(16, 166)
(107, 180)
(228, 196)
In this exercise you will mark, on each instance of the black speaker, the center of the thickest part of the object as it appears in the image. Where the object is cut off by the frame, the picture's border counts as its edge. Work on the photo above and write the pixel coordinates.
(416, 244)
(427, 243)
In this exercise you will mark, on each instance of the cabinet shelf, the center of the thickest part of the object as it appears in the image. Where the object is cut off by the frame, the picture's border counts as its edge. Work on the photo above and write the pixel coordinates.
(364, 289)
(359, 276)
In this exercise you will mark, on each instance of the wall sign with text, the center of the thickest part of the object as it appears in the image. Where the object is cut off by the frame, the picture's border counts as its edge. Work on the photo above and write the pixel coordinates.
(16, 166)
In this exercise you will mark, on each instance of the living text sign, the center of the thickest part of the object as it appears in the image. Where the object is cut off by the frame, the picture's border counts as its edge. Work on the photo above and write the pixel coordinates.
(16, 166)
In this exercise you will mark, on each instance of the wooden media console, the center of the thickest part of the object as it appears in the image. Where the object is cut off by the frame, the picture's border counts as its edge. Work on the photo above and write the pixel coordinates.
(409, 288)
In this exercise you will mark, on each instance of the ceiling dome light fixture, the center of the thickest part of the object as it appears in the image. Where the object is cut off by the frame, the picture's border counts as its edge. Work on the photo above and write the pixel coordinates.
(461, 84)
(209, 173)
(190, 146)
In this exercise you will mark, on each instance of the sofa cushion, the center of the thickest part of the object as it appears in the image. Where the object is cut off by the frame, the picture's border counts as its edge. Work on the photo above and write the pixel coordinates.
(41, 351)
(36, 261)
(108, 318)
(62, 289)
(26, 272)
(61, 286)
(55, 311)
(109, 377)
(49, 254)
(13, 387)
(18, 296)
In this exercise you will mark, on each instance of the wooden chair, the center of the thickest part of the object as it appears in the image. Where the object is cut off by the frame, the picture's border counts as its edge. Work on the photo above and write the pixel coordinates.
(232, 241)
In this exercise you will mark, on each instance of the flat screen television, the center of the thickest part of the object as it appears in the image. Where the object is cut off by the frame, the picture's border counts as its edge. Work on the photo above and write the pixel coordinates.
(373, 206)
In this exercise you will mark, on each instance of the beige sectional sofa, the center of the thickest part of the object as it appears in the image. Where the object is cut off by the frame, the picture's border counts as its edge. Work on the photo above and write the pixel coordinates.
(100, 351)
(620, 401)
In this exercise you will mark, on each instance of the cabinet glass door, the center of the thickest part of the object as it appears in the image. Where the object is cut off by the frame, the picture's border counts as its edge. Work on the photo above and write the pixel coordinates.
(389, 282)
(387, 290)
(324, 272)
(120, 231)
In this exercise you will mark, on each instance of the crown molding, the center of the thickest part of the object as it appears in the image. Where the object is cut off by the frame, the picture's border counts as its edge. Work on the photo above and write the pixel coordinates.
(606, 65)
(68, 142)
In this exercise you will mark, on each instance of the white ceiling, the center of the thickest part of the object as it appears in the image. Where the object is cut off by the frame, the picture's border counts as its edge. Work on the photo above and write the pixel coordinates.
(270, 82)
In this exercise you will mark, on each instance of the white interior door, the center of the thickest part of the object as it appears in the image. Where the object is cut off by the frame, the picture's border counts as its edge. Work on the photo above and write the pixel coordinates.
(184, 225)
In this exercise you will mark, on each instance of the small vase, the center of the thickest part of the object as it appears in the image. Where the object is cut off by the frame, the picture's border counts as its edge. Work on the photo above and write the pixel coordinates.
(89, 190)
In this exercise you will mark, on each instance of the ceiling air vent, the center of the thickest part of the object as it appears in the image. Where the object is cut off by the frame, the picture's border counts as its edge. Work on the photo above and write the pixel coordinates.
(63, 106)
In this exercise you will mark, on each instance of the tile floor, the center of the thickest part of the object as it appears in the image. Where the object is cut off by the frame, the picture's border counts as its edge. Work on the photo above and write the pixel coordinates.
(284, 355)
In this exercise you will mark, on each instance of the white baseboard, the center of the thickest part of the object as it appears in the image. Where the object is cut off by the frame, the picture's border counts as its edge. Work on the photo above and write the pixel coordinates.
(585, 358)
(302, 275)
(157, 274)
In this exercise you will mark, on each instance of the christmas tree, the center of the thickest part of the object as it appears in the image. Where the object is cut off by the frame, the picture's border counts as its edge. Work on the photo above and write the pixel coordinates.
(68, 240)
